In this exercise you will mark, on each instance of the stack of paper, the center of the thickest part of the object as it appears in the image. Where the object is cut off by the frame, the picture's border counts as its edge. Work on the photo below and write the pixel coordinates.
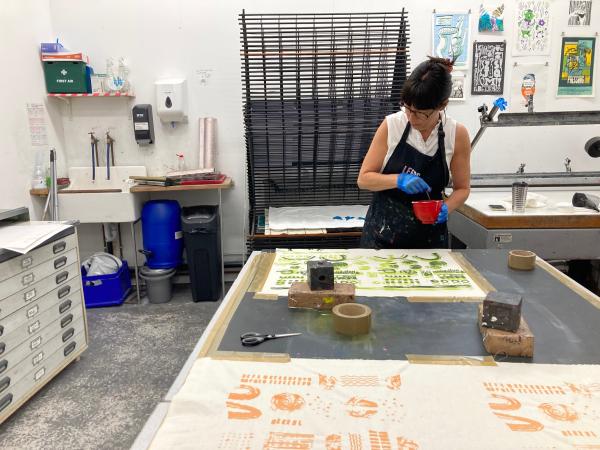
(23, 237)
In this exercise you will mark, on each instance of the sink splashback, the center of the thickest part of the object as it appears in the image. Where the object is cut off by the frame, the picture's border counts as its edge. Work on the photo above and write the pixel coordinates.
(81, 177)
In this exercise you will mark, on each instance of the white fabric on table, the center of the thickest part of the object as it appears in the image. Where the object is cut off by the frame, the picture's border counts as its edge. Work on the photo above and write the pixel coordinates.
(359, 405)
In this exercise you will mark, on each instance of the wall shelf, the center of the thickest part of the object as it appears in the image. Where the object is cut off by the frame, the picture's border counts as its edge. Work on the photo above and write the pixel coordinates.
(97, 94)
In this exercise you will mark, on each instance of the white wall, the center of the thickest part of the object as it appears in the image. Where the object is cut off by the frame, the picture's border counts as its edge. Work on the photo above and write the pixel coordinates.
(23, 25)
(183, 37)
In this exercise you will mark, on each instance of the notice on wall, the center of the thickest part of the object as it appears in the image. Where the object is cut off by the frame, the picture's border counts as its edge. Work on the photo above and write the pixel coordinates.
(529, 84)
(36, 118)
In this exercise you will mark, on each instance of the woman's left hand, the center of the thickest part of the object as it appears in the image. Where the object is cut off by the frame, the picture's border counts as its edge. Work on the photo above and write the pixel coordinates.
(443, 215)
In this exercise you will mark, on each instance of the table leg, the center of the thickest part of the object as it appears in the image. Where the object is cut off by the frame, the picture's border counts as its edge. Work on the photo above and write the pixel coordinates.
(221, 238)
(135, 257)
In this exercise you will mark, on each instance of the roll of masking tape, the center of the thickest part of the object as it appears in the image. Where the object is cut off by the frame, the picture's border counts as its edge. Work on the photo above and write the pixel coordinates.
(521, 260)
(351, 319)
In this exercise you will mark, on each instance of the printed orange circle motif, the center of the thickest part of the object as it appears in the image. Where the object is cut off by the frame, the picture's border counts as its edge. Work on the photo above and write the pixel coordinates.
(559, 412)
(287, 402)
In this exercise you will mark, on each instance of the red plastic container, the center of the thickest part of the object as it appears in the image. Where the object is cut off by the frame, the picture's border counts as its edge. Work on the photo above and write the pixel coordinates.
(427, 211)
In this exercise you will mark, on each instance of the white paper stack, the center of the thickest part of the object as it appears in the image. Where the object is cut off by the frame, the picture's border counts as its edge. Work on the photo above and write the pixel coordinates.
(23, 237)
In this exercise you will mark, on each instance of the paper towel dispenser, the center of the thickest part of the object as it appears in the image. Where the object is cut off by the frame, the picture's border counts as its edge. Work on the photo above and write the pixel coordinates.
(171, 100)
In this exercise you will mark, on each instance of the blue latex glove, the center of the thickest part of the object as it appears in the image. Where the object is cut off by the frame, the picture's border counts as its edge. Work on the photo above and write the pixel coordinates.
(501, 103)
(411, 184)
(442, 216)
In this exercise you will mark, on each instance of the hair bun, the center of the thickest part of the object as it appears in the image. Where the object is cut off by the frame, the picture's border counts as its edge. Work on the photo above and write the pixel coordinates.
(447, 63)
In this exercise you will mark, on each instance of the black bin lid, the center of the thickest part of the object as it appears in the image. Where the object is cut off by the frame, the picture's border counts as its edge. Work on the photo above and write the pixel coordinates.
(193, 217)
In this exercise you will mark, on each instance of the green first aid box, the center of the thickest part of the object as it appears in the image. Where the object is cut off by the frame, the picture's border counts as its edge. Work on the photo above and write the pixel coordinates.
(65, 77)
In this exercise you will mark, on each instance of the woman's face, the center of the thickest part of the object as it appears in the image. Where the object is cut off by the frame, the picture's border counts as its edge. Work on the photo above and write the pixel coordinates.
(422, 119)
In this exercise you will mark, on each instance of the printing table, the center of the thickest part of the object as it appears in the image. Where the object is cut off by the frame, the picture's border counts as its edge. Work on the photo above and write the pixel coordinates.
(549, 232)
(563, 315)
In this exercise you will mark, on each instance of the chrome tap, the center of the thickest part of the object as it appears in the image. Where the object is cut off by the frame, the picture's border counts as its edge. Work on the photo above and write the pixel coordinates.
(521, 168)
(568, 165)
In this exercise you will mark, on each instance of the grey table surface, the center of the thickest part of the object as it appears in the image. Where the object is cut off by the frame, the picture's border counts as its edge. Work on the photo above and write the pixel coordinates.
(565, 325)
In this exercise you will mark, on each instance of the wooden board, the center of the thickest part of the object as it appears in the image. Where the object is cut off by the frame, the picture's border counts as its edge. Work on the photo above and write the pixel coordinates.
(188, 187)
(498, 342)
(301, 296)
(531, 221)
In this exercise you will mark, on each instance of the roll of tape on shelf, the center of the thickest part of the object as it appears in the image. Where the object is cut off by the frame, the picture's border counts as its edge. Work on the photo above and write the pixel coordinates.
(351, 319)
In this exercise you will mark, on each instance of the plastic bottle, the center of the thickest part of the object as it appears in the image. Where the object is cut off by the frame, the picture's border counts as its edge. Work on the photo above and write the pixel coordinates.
(38, 180)
(180, 162)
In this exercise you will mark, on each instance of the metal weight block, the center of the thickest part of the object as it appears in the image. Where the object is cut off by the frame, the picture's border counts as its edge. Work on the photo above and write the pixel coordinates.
(319, 275)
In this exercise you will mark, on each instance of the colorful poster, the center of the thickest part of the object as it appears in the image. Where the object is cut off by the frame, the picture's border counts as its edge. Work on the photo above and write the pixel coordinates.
(381, 273)
(532, 28)
(491, 19)
(580, 12)
(577, 67)
(529, 87)
(451, 37)
(459, 88)
(488, 68)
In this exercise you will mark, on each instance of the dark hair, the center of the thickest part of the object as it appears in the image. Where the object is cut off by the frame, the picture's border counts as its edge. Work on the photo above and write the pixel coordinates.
(429, 85)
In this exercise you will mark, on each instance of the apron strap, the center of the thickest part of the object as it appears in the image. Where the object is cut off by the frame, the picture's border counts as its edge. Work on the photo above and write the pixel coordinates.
(442, 151)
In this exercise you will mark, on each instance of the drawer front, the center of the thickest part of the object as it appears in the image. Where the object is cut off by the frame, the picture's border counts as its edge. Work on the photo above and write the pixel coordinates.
(40, 355)
(56, 267)
(36, 331)
(35, 257)
(31, 294)
(12, 393)
(35, 308)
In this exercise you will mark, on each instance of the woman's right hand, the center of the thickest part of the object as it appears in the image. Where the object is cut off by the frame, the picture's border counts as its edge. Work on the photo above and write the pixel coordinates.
(411, 184)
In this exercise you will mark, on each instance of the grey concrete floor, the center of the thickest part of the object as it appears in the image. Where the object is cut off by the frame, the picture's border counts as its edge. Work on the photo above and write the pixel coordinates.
(103, 400)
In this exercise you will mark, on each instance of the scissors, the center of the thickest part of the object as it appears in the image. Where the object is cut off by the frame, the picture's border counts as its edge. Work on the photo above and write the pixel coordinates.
(252, 338)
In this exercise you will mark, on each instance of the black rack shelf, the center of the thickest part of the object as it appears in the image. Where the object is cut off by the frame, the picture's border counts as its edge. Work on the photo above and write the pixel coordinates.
(315, 89)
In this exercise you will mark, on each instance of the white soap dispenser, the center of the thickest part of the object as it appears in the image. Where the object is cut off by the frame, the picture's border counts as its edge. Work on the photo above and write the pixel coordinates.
(171, 100)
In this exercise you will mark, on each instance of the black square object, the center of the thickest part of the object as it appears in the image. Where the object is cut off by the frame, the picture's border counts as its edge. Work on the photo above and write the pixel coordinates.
(502, 311)
(319, 275)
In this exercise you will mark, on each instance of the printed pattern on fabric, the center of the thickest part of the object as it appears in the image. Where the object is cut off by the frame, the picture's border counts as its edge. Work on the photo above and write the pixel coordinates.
(427, 406)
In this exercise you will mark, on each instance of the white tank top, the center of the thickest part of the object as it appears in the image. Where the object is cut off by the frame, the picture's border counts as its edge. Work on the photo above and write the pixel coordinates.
(396, 124)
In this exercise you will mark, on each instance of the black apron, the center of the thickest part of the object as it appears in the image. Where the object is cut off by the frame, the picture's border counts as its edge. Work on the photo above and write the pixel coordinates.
(390, 221)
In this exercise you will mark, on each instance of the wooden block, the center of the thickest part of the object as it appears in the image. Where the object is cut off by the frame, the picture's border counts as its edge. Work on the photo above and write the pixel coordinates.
(499, 342)
(502, 310)
(301, 296)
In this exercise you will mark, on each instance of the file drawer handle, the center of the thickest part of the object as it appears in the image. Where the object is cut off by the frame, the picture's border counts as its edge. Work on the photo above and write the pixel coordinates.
(4, 383)
(69, 348)
(27, 279)
(65, 306)
(60, 262)
(2, 347)
(26, 262)
(59, 247)
(64, 291)
(62, 277)
(68, 334)
(3, 365)
(66, 320)
(29, 295)
(6, 401)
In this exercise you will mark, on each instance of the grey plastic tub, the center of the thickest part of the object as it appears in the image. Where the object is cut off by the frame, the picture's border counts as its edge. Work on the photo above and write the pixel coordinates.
(158, 284)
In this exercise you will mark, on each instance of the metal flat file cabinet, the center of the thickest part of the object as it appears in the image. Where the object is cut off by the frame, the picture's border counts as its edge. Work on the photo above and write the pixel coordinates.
(43, 324)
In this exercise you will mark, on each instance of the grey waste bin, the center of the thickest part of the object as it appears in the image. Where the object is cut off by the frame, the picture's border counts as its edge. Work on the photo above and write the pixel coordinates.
(202, 240)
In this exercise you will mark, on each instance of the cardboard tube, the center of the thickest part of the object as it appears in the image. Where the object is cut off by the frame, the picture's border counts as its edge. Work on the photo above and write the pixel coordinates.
(351, 319)
(521, 260)
(201, 141)
(210, 143)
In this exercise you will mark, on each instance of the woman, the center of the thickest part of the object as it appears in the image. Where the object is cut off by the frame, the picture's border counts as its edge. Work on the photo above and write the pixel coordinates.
(408, 160)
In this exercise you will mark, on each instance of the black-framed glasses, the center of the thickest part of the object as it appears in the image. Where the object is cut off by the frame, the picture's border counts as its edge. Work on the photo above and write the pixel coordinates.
(420, 114)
